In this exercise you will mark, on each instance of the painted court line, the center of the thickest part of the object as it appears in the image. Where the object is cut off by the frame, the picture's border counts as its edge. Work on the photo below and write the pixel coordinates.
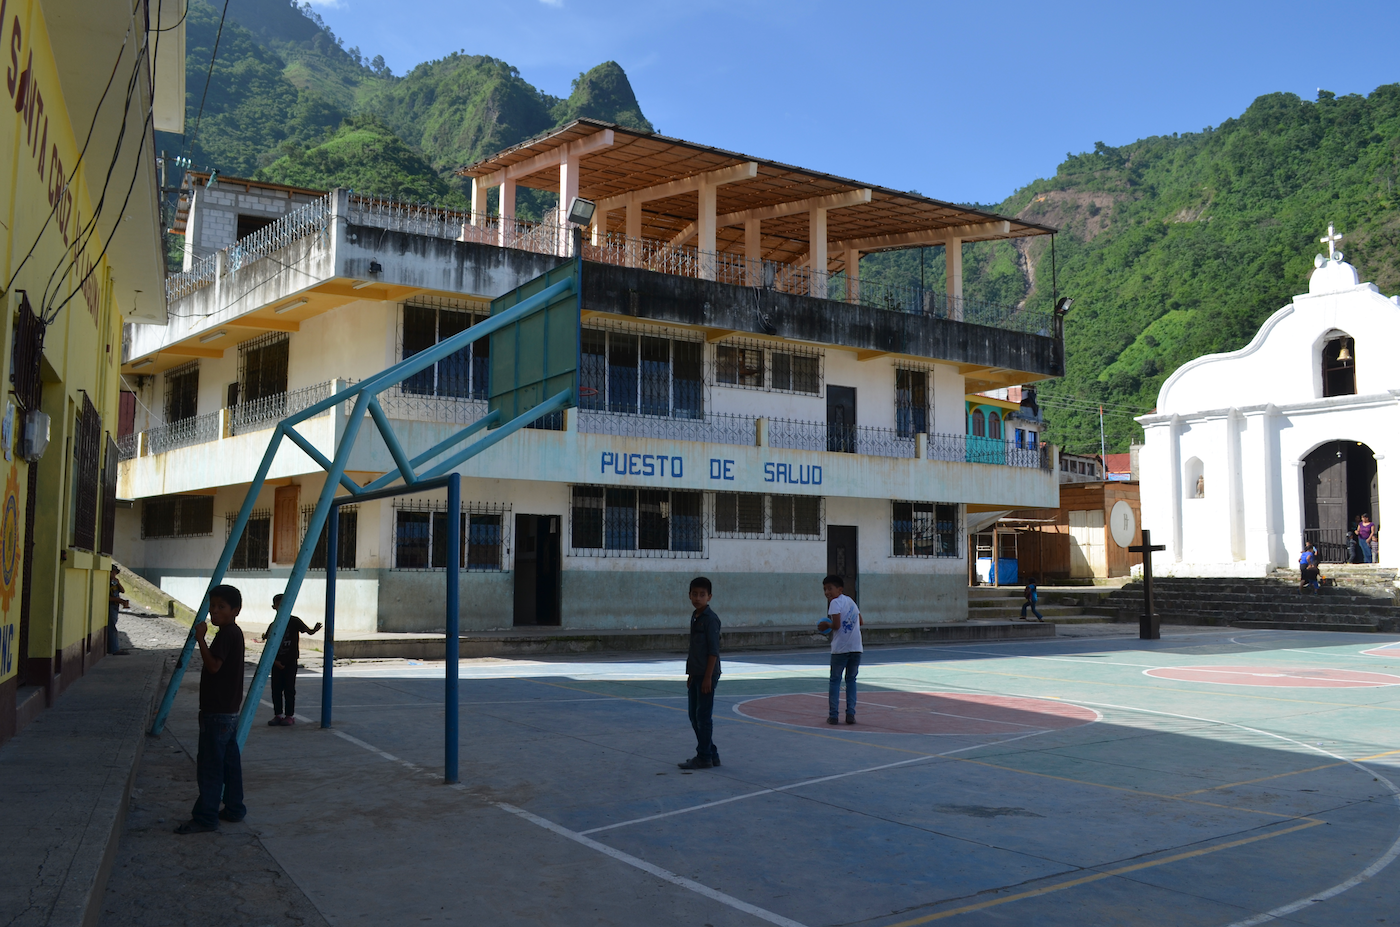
(663, 874)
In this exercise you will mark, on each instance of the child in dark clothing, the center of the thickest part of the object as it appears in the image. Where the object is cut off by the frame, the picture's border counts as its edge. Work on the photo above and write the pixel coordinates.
(1032, 599)
(219, 767)
(284, 669)
(702, 675)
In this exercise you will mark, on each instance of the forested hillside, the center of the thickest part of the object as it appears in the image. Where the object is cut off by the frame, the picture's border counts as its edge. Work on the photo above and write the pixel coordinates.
(1172, 246)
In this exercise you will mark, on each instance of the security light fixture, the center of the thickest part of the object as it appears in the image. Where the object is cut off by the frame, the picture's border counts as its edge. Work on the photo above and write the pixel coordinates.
(375, 267)
(1063, 305)
(289, 307)
(212, 336)
(143, 363)
(581, 211)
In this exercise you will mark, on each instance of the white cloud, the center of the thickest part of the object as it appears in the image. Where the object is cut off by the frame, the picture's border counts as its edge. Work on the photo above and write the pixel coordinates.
(557, 4)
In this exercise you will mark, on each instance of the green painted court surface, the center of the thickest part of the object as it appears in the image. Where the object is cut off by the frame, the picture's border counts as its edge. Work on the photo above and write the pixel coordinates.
(1069, 781)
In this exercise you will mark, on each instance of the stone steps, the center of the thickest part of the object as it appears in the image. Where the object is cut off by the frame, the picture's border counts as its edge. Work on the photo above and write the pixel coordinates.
(1360, 599)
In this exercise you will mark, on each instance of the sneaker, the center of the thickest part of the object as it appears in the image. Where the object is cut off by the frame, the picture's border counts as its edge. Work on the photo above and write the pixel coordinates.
(194, 827)
(275, 722)
(696, 762)
(714, 759)
(833, 720)
(850, 719)
(224, 815)
(289, 720)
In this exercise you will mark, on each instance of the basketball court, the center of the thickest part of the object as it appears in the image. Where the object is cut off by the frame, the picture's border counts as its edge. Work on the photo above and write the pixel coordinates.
(1214, 777)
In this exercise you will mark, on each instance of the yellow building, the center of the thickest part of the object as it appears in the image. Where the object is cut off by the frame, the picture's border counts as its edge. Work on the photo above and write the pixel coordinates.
(87, 86)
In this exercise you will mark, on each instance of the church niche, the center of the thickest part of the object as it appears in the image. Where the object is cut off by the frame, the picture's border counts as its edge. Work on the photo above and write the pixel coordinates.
(1195, 479)
(1339, 365)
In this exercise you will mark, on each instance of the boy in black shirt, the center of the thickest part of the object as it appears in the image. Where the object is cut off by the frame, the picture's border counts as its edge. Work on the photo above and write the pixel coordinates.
(284, 668)
(219, 767)
(702, 675)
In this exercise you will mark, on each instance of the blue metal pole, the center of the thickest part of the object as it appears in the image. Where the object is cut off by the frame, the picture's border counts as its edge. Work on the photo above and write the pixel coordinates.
(168, 700)
(554, 403)
(491, 418)
(303, 561)
(328, 646)
(454, 560)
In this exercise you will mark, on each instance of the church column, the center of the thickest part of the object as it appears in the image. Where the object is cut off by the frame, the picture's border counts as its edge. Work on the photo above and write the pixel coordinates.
(952, 249)
(1234, 423)
(1175, 543)
(1276, 494)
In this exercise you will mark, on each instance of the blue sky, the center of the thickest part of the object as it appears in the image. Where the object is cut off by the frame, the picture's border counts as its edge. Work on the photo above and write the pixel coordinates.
(960, 101)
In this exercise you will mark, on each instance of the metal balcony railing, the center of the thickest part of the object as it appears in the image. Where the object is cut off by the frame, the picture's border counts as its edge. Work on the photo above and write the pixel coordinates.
(126, 446)
(172, 435)
(268, 411)
(311, 219)
(714, 428)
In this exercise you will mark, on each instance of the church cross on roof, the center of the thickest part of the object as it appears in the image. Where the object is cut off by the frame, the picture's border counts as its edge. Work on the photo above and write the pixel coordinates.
(1330, 240)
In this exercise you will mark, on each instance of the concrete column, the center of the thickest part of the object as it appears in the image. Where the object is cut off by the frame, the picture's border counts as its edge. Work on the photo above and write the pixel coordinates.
(816, 261)
(852, 275)
(953, 254)
(1234, 424)
(761, 431)
(921, 446)
(600, 228)
(705, 231)
(1175, 543)
(634, 232)
(753, 251)
(479, 190)
(568, 189)
(506, 234)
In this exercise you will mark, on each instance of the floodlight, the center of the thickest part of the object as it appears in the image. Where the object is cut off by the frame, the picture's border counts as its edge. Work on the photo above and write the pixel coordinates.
(1063, 305)
(581, 211)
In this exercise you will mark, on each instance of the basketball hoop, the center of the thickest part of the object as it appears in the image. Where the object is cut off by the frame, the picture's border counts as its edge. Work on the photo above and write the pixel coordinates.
(587, 391)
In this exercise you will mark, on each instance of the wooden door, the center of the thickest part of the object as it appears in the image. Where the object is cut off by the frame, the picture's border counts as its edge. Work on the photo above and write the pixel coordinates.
(286, 527)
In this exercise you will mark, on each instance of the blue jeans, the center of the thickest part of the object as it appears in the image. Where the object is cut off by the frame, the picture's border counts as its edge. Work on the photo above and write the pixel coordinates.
(849, 664)
(113, 642)
(1367, 554)
(218, 769)
(702, 718)
(1031, 606)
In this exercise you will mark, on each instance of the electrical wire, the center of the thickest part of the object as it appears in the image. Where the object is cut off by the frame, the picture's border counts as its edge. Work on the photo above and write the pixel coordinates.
(208, 77)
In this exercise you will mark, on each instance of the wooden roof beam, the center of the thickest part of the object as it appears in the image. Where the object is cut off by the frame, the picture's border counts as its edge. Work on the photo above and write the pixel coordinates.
(546, 159)
(737, 172)
(925, 237)
(780, 210)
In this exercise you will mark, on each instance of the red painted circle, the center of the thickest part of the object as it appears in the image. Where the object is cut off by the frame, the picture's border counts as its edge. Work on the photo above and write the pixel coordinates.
(926, 713)
(1389, 650)
(1295, 677)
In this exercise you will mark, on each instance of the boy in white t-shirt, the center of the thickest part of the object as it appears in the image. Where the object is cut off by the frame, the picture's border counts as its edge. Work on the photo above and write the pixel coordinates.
(845, 647)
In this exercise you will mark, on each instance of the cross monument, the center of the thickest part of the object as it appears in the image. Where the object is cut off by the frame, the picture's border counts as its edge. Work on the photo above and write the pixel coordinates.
(1149, 628)
(1330, 240)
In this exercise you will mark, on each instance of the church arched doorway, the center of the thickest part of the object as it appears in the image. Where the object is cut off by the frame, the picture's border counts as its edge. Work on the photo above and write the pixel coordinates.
(1340, 485)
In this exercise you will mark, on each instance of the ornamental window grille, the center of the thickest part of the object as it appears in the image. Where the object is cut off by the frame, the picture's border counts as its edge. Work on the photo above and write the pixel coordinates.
(346, 537)
(911, 401)
(754, 365)
(182, 392)
(639, 372)
(466, 374)
(262, 368)
(610, 521)
(109, 498)
(254, 548)
(87, 463)
(760, 516)
(177, 517)
(924, 529)
(28, 348)
(420, 536)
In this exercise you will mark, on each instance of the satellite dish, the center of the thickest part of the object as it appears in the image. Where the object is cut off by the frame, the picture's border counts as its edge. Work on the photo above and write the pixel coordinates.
(1122, 523)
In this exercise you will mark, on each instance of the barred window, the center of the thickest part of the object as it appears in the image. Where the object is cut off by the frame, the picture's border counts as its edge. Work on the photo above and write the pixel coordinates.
(640, 522)
(760, 516)
(346, 537)
(632, 372)
(254, 548)
(262, 367)
(181, 392)
(924, 529)
(87, 464)
(911, 401)
(753, 365)
(420, 536)
(177, 517)
(463, 374)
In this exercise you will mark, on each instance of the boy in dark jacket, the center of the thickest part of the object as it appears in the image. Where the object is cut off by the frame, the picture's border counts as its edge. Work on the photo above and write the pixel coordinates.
(702, 675)
(284, 669)
(219, 767)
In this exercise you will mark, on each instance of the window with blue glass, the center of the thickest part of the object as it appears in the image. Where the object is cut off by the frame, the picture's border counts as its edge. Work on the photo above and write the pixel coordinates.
(911, 395)
(464, 374)
(924, 529)
(637, 522)
(643, 374)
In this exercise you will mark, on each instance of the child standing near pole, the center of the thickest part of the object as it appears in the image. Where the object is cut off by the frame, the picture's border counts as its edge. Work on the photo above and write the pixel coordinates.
(846, 647)
(284, 669)
(219, 766)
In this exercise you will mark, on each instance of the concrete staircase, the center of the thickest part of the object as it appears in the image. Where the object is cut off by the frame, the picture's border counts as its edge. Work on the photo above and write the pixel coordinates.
(1358, 598)
(1059, 604)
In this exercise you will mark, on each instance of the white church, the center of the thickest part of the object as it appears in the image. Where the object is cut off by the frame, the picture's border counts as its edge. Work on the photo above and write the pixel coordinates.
(1250, 454)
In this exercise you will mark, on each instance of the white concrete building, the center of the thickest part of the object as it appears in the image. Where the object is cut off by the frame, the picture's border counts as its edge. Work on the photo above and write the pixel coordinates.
(1251, 453)
(743, 416)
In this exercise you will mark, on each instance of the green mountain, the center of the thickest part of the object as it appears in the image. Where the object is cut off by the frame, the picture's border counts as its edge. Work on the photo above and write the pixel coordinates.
(282, 84)
(1179, 246)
